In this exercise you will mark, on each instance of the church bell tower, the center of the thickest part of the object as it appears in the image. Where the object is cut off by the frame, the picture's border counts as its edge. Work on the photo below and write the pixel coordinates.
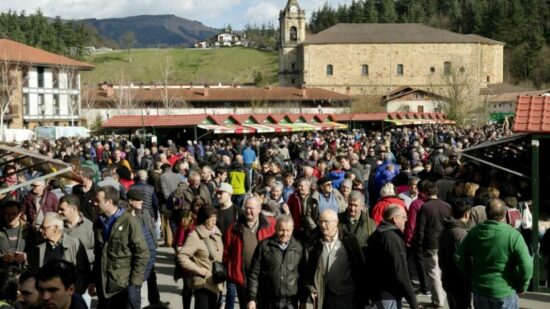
(292, 25)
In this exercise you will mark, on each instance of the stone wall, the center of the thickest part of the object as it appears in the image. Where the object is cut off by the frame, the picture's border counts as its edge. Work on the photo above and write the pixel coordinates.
(423, 66)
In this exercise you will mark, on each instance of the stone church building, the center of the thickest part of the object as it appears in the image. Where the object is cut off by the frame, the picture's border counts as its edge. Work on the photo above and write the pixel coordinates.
(372, 59)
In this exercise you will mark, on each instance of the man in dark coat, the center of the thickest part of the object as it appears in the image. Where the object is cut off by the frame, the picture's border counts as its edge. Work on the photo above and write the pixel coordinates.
(273, 277)
(332, 267)
(456, 285)
(429, 225)
(387, 264)
(356, 219)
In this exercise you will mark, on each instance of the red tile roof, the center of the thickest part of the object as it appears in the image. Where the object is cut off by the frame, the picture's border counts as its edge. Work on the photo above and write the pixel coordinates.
(532, 115)
(219, 119)
(244, 94)
(19, 52)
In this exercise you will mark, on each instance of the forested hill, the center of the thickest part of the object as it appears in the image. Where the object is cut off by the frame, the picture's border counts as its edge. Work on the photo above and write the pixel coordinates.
(524, 25)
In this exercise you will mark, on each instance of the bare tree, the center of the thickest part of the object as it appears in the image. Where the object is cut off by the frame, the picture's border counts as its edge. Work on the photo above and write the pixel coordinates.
(170, 99)
(88, 91)
(458, 97)
(9, 80)
(123, 98)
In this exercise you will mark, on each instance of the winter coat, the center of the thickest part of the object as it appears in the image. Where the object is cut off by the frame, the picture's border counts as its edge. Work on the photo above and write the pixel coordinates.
(312, 254)
(337, 177)
(25, 242)
(87, 201)
(364, 227)
(384, 202)
(495, 258)
(149, 235)
(412, 214)
(150, 200)
(48, 203)
(274, 273)
(121, 259)
(169, 182)
(298, 210)
(342, 205)
(91, 165)
(194, 257)
(233, 246)
(74, 252)
(429, 223)
(147, 162)
(386, 262)
(239, 179)
(452, 235)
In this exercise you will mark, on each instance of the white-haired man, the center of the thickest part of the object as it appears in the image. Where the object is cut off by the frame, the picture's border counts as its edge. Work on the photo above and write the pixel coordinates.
(57, 245)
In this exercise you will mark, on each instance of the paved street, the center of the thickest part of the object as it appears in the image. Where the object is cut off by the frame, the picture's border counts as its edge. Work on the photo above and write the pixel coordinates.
(170, 291)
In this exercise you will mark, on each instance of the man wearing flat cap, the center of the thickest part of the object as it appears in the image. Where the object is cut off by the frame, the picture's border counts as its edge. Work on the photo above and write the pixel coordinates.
(38, 202)
(329, 198)
(136, 198)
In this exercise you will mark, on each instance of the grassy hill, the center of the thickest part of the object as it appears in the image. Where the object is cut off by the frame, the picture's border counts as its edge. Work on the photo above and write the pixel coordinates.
(224, 65)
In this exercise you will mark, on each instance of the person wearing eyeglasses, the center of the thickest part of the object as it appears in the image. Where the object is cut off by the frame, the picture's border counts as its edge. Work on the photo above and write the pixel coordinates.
(386, 262)
(58, 245)
(333, 261)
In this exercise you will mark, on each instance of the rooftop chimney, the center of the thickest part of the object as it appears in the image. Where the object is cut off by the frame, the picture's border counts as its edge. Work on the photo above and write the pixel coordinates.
(191, 86)
(304, 92)
(206, 90)
(348, 90)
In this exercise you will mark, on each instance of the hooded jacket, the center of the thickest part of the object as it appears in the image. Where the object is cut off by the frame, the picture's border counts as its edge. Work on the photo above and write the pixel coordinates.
(386, 261)
(495, 258)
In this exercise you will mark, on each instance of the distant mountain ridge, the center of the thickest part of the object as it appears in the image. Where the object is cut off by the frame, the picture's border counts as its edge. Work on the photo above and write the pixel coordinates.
(152, 30)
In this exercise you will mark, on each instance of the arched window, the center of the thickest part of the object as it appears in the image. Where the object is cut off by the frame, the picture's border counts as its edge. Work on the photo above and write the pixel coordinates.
(329, 70)
(293, 34)
(399, 70)
(365, 70)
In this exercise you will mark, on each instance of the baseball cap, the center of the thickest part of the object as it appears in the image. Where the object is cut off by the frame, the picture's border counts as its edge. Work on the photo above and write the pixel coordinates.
(225, 187)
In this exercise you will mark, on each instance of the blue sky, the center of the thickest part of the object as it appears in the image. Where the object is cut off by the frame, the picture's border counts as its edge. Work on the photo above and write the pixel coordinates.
(214, 13)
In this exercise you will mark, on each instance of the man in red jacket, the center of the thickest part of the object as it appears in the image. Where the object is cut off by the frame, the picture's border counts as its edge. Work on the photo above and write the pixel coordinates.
(240, 241)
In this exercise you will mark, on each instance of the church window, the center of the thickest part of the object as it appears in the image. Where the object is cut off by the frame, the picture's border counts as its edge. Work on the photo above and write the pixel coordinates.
(293, 34)
(488, 78)
(294, 65)
(365, 70)
(447, 68)
(329, 70)
(399, 70)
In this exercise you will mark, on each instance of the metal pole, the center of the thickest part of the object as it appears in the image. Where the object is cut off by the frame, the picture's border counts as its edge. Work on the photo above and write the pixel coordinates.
(535, 179)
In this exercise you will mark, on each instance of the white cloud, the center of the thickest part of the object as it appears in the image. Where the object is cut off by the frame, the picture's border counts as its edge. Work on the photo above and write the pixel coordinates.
(262, 12)
(215, 13)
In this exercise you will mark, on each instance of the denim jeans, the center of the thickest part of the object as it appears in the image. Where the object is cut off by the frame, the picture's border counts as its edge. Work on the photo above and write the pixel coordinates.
(486, 302)
(388, 304)
(230, 295)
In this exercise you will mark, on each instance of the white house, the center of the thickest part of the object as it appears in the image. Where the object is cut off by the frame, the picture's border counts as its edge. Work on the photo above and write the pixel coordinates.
(407, 99)
(44, 88)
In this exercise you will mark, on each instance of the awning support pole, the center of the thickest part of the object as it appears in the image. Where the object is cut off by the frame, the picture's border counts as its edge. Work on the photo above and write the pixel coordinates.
(535, 187)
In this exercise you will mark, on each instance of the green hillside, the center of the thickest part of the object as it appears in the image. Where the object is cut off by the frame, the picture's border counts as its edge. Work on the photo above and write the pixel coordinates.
(224, 65)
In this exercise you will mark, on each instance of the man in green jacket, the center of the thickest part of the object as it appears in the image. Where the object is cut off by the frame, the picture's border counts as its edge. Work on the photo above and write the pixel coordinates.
(495, 258)
(121, 254)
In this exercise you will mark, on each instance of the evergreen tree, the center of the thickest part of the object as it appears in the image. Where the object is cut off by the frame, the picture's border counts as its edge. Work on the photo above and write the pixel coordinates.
(356, 12)
(387, 13)
(370, 12)
(455, 16)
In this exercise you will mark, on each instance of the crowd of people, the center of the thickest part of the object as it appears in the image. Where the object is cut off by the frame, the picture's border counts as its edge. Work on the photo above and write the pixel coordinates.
(335, 219)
